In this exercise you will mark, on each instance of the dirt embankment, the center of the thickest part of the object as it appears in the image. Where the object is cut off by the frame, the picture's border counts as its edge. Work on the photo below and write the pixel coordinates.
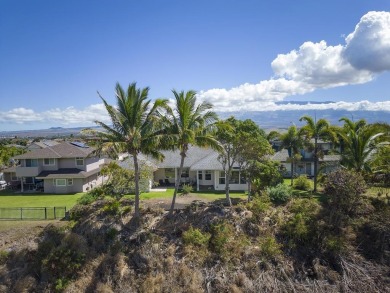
(205, 247)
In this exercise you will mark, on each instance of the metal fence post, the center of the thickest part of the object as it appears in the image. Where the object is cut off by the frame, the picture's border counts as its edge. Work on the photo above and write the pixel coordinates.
(21, 213)
(45, 213)
(55, 217)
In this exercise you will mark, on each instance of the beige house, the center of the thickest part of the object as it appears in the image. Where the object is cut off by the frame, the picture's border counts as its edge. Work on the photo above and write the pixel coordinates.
(61, 168)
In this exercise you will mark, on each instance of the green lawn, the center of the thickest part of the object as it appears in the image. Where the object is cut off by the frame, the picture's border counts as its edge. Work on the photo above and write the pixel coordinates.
(8, 199)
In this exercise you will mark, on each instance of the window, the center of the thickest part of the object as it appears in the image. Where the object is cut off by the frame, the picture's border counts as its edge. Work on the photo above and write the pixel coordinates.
(28, 180)
(222, 177)
(31, 163)
(185, 173)
(79, 161)
(70, 181)
(61, 182)
(234, 177)
(200, 175)
(49, 162)
(207, 175)
(13, 177)
(169, 173)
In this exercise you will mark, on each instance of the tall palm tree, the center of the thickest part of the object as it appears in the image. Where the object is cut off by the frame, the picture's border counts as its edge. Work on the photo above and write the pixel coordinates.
(293, 142)
(135, 128)
(189, 124)
(361, 143)
(317, 130)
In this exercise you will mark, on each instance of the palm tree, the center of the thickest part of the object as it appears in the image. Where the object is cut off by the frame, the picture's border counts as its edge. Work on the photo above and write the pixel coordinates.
(316, 130)
(361, 143)
(135, 128)
(293, 142)
(189, 124)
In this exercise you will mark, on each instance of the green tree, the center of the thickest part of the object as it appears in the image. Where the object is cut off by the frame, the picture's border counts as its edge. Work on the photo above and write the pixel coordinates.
(361, 142)
(243, 143)
(188, 124)
(317, 130)
(135, 128)
(292, 141)
(6, 154)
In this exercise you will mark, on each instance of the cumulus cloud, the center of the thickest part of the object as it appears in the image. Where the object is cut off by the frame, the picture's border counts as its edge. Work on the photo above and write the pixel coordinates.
(366, 53)
(368, 47)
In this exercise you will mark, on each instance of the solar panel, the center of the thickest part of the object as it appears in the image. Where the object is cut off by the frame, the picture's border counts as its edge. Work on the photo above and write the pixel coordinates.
(79, 144)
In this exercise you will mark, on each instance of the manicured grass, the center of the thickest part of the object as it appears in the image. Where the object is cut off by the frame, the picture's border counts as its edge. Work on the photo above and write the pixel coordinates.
(8, 199)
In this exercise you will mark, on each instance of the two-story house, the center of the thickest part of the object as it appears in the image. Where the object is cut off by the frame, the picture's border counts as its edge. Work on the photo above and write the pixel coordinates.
(305, 165)
(62, 168)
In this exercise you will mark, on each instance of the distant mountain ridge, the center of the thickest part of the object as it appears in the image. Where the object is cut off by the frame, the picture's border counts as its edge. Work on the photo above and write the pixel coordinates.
(266, 120)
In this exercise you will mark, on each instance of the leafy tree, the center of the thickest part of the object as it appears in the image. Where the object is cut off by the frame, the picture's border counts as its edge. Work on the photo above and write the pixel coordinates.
(188, 124)
(292, 141)
(135, 128)
(7, 152)
(265, 174)
(360, 144)
(243, 143)
(317, 130)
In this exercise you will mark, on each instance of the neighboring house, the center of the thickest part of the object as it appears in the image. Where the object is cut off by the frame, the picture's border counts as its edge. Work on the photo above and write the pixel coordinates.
(41, 144)
(202, 169)
(306, 163)
(62, 168)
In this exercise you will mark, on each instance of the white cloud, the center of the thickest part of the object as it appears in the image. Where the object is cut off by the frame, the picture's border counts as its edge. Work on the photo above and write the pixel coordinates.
(315, 66)
(57, 116)
(368, 47)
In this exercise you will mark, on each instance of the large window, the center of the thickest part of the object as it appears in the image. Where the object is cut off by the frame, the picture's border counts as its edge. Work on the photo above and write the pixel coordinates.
(49, 162)
(60, 182)
(207, 175)
(235, 177)
(185, 173)
(31, 163)
(79, 161)
(222, 177)
(170, 173)
(200, 175)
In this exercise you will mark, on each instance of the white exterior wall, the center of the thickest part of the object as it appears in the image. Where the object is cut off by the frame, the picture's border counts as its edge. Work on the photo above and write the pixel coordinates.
(93, 163)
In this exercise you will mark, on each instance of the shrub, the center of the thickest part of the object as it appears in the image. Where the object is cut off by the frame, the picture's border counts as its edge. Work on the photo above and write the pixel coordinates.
(281, 193)
(221, 233)
(86, 199)
(112, 207)
(302, 183)
(186, 189)
(3, 256)
(195, 237)
(345, 194)
(269, 247)
(259, 205)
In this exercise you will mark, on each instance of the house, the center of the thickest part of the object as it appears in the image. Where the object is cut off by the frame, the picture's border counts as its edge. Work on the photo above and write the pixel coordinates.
(305, 165)
(65, 167)
(202, 169)
(41, 144)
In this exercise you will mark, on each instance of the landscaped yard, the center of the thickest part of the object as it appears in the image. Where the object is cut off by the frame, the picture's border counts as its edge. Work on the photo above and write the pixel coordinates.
(9, 199)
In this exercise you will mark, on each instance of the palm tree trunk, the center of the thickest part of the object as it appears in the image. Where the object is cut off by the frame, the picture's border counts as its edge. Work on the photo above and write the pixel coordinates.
(177, 183)
(249, 189)
(136, 175)
(227, 188)
(315, 164)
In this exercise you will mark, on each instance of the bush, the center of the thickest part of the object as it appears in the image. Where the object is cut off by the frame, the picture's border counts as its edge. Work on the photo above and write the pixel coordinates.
(281, 193)
(345, 190)
(221, 233)
(259, 205)
(186, 189)
(3, 257)
(302, 183)
(195, 237)
(112, 207)
(269, 247)
(86, 199)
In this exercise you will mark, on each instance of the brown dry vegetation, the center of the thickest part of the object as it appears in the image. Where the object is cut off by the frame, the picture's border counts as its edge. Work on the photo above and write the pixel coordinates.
(256, 247)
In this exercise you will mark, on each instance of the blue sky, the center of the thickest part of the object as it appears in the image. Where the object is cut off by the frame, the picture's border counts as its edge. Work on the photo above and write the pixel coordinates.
(239, 55)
